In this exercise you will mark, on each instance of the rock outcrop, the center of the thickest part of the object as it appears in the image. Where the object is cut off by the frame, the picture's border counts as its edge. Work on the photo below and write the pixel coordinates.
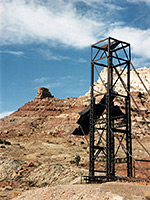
(135, 84)
(43, 93)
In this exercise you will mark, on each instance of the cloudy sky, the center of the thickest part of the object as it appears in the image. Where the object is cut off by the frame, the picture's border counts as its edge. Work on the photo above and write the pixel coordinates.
(47, 43)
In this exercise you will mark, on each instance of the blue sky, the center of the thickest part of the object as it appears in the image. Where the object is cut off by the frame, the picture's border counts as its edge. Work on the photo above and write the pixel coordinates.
(47, 43)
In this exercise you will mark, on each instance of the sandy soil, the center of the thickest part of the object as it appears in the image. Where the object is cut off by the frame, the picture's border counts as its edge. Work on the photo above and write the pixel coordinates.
(105, 191)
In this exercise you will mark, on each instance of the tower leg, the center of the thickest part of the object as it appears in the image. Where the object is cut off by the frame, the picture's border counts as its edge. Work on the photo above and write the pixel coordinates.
(128, 139)
(91, 155)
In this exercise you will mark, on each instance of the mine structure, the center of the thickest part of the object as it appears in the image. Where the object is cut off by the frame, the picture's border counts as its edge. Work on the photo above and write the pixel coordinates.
(109, 127)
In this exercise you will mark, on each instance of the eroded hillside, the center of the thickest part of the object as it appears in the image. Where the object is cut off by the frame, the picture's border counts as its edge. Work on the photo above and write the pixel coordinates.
(37, 147)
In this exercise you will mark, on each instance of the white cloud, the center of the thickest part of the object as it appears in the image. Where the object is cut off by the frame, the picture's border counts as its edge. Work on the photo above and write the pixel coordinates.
(53, 85)
(4, 114)
(140, 62)
(83, 82)
(17, 53)
(49, 55)
(58, 58)
(139, 39)
(59, 22)
(82, 60)
(137, 1)
(104, 3)
(147, 1)
(41, 79)
(56, 22)
(112, 6)
(66, 78)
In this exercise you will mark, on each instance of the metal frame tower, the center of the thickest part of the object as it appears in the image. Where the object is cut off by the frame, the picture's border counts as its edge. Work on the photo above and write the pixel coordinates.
(109, 132)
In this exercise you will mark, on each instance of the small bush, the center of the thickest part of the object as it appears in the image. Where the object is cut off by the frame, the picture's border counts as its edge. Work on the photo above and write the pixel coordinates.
(147, 168)
(1, 142)
(53, 134)
(76, 160)
(7, 142)
(72, 161)
(84, 147)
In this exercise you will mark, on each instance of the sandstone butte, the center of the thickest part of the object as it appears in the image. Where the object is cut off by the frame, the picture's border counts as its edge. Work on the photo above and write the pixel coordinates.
(38, 150)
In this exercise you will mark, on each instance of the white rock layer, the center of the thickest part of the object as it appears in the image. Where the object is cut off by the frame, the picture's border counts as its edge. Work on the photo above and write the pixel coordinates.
(135, 82)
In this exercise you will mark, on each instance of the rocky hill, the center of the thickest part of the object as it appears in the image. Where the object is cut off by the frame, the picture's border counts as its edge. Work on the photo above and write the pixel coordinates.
(37, 147)
(46, 115)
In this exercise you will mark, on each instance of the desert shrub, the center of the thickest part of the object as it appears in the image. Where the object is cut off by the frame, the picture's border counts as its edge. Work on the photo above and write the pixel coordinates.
(1, 142)
(76, 160)
(53, 134)
(84, 147)
(72, 161)
(7, 142)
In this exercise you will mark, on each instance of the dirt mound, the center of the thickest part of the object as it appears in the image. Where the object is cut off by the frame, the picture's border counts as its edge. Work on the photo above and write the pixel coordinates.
(7, 167)
(107, 191)
(54, 174)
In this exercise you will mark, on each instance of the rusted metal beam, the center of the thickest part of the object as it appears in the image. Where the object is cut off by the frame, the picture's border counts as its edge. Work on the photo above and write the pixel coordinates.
(100, 42)
(140, 79)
